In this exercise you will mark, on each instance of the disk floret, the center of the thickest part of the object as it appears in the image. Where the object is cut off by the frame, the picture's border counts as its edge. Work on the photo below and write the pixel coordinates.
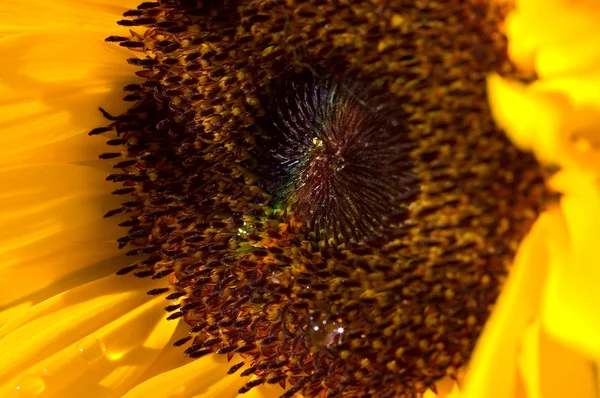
(345, 233)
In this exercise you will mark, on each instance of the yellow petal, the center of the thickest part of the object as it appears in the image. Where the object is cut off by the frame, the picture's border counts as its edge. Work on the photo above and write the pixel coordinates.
(42, 15)
(8, 312)
(93, 341)
(492, 369)
(531, 121)
(529, 357)
(203, 378)
(173, 358)
(557, 119)
(170, 358)
(557, 116)
(51, 86)
(555, 36)
(79, 149)
(577, 100)
(444, 388)
(52, 234)
(552, 370)
(572, 298)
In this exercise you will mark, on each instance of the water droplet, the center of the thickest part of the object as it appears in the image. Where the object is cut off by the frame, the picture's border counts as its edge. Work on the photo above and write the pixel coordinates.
(91, 349)
(30, 385)
(326, 332)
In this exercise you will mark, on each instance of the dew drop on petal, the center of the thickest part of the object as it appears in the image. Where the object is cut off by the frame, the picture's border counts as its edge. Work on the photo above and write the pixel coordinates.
(30, 385)
(91, 349)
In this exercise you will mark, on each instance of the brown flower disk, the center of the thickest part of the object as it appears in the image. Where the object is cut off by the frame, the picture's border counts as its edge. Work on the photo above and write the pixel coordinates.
(379, 286)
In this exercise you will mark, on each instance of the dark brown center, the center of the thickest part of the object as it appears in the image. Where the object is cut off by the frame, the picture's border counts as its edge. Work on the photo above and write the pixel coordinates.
(341, 158)
(345, 233)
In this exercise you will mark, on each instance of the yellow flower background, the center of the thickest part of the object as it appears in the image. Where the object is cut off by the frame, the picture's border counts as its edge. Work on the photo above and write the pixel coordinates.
(71, 328)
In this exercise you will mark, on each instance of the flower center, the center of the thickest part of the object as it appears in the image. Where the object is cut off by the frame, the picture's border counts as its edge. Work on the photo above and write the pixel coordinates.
(341, 158)
(324, 185)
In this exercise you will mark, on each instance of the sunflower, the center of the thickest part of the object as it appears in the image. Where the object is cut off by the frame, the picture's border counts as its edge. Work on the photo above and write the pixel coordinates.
(318, 189)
